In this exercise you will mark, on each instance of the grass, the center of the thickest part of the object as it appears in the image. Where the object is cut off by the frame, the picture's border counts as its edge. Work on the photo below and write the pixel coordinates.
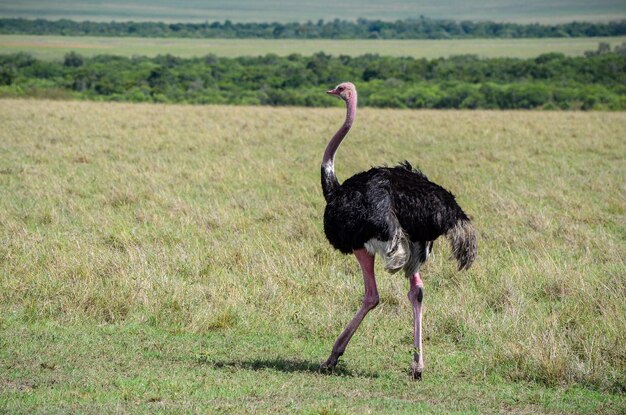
(55, 47)
(161, 258)
(294, 10)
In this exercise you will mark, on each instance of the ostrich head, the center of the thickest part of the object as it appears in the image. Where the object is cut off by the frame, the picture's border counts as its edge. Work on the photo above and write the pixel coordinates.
(345, 91)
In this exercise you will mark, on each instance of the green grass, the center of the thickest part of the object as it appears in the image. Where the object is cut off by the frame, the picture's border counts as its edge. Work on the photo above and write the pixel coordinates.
(55, 47)
(294, 10)
(161, 258)
(138, 369)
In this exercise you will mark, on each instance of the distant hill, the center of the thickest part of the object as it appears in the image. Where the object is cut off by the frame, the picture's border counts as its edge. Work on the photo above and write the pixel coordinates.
(528, 11)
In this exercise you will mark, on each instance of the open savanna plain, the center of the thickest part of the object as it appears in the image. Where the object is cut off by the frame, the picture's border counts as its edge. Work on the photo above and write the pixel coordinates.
(170, 259)
(530, 11)
(55, 47)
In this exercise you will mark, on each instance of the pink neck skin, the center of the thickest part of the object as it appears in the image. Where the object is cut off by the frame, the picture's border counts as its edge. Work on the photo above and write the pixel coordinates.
(328, 162)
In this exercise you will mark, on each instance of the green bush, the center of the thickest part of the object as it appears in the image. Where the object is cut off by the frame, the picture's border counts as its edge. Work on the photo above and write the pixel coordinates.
(548, 81)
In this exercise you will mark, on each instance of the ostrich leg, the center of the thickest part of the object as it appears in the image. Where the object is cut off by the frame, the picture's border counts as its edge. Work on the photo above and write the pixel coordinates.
(370, 300)
(416, 294)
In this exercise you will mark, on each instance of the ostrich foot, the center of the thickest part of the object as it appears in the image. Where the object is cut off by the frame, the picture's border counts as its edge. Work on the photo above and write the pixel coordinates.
(417, 366)
(416, 371)
(329, 365)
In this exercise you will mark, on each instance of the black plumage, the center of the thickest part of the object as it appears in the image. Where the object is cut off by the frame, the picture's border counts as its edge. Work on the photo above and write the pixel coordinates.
(364, 207)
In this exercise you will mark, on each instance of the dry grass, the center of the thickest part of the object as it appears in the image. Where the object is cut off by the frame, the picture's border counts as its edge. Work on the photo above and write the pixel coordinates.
(55, 47)
(293, 10)
(203, 219)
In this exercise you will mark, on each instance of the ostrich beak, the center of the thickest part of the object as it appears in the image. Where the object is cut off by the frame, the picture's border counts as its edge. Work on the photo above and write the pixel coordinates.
(332, 92)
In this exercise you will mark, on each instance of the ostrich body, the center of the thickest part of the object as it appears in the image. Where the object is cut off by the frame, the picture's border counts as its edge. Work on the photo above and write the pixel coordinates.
(395, 212)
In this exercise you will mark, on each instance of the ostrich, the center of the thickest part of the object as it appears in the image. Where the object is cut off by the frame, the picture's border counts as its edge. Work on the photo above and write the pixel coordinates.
(395, 212)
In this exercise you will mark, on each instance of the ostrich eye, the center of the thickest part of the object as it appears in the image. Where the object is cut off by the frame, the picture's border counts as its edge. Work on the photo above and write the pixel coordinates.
(340, 89)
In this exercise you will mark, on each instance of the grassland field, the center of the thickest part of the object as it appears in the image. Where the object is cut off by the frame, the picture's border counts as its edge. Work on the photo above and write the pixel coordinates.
(170, 259)
(529, 11)
(55, 47)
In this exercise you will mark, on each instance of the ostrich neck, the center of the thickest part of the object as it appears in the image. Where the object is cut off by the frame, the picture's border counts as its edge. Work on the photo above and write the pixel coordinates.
(328, 162)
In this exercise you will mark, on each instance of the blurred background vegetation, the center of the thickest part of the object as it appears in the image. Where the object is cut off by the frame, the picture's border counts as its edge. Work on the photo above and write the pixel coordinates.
(549, 81)
(420, 28)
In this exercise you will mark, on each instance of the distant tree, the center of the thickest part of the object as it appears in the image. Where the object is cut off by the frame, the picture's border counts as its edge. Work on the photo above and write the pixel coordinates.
(73, 60)
(603, 48)
(7, 74)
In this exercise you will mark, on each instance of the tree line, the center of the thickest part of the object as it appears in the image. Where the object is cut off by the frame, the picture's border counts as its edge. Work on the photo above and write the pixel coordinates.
(550, 81)
(417, 28)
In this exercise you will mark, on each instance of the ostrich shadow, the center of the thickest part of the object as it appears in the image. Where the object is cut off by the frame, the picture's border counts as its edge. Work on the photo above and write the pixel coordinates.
(287, 366)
